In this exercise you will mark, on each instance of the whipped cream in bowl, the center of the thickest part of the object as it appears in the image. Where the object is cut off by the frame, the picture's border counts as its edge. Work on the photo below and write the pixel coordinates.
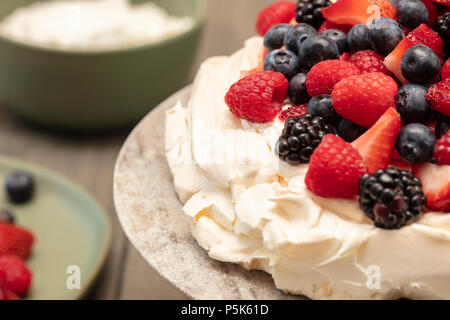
(247, 207)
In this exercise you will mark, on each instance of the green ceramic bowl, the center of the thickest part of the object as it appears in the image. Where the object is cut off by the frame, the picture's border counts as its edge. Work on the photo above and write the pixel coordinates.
(76, 90)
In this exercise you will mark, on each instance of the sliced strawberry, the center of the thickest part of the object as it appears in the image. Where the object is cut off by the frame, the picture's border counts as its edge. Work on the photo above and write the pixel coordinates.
(377, 144)
(421, 35)
(401, 164)
(436, 185)
(443, 2)
(357, 11)
(433, 12)
(326, 25)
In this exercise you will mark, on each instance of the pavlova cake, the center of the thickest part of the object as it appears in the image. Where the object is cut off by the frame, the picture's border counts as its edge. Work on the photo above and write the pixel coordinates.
(320, 152)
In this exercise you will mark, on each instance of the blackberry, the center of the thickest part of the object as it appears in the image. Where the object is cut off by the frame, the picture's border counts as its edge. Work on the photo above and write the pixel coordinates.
(442, 26)
(300, 137)
(392, 198)
(310, 11)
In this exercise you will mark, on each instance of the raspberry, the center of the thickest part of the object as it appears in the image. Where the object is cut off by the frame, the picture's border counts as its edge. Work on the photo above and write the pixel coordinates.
(364, 98)
(15, 240)
(442, 150)
(335, 169)
(258, 97)
(445, 74)
(276, 13)
(293, 112)
(439, 97)
(323, 76)
(14, 274)
(369, 61)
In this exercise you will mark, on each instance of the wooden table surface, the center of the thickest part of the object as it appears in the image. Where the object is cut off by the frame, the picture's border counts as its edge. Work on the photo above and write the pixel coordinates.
(89, 159)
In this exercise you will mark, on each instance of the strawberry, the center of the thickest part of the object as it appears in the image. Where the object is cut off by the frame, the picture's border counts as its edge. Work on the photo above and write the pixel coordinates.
(433, 12)
(15, 240)
(293, 112)
(400, 164)
(326, 25)
(335, 169)
(443, 2)
(445, 74)
(442, 150)
(8, 295)
(276, 13)
(322, 78)
(439, 97)
(364, 98)
(436, 185)
(421, 35)
(357, 11)
(14, 274)
(377, 144)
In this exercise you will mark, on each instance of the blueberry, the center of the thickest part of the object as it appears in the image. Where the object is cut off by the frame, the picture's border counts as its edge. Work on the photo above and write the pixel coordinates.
(283, 61)
(316, 49)
(442, 126)
(420, 64)
(339, 37)
(412, 13)
(6, 216)
(297, 89)
(322, 106)
(20, 187)
(349, 131)
(385, 34)
(274, 38)
(296, 35)
(358, 38)
(412, 105)
(415, 143)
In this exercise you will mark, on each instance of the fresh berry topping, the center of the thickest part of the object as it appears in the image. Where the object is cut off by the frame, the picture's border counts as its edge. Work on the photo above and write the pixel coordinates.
(326, 25)
(309, 11)
(335, 169)
(369, 61)
(415, 143)
(385, 34)
(322, 106)
(357, 11)
(297, 89)
(300, 137)
(274, 38)
(412, 13)
(323, 76)
(348, 130)
(6, 216)
(339, 37)
(316, 49)
(364, 98)
(297, 35)
(282, 61)
(442, 26)
(392, 198)
(445, 73)
(20, 187)
(436, 185)
(442, 126)
(377, 144)
(258, 97)
(293, 112)
(15, 240)
(439, 97)
(421, 35)
(433, 12)
(412, 105)
(442, 150)
(358, 38)
(14, 274)
(276, 13)
(420, 64)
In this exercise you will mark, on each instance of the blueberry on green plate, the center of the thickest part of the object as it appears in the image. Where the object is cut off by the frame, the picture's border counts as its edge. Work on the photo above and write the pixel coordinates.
(20, 187)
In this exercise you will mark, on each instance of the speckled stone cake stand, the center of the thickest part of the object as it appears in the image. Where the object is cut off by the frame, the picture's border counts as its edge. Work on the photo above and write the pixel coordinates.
(152, 217)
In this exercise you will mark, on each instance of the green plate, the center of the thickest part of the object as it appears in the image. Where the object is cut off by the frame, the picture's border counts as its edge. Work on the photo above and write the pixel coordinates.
(71, 229)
